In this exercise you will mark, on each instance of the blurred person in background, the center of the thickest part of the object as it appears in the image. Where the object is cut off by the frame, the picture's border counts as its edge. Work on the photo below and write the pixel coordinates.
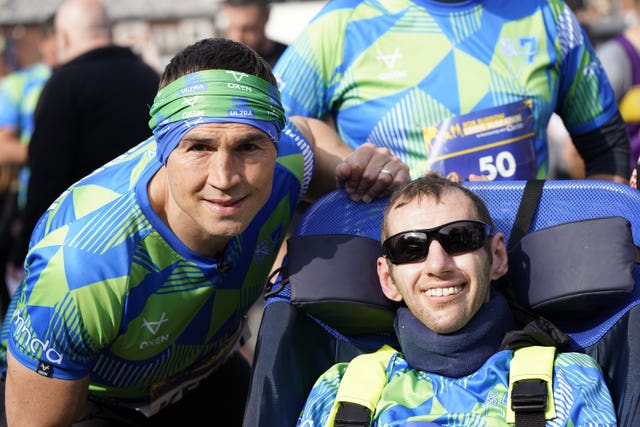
(620, 57)
(245, 21)
(94, 106)
(19, 93)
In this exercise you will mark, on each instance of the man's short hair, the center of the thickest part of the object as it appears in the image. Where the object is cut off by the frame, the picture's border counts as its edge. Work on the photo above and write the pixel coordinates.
(432, 185)
(216, 54)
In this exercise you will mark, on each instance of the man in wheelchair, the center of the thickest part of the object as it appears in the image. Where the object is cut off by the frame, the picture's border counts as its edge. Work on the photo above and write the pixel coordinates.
(458, 363)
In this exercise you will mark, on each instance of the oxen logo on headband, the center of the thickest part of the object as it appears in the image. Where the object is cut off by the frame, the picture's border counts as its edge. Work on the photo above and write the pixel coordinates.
(191, 101)
(237, 75)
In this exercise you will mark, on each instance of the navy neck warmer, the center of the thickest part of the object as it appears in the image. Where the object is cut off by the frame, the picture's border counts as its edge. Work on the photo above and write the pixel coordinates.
(462, 352)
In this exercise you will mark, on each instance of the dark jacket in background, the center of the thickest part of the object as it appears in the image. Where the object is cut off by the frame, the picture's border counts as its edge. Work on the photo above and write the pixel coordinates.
(92, 109)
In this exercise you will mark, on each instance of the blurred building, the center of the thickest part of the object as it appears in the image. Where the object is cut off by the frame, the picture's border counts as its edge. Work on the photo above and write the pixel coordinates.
(157, 29)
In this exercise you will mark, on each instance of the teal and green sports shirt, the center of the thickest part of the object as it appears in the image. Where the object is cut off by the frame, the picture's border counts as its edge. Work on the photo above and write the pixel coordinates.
(110, 291)
(464, 86)
(412, 397)
(19, 93)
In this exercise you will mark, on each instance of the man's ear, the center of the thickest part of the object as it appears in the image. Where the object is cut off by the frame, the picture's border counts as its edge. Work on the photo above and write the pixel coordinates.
(500, 264)
(386, 281)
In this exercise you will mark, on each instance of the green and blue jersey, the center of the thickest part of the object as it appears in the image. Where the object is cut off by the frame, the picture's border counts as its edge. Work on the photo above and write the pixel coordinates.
(466, 86)
(414, 397)
(112, 293)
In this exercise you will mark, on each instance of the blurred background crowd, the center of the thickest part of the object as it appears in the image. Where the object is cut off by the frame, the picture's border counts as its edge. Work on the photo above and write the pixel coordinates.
(155, 29)
(158, 29)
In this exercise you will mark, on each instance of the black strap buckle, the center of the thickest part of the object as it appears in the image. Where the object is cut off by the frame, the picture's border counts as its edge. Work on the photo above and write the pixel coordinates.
(351, 415)
(529, 396)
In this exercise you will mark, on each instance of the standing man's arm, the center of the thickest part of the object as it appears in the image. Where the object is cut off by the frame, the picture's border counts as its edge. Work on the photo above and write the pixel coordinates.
(606, 151)
(32, 399)
(359, 171)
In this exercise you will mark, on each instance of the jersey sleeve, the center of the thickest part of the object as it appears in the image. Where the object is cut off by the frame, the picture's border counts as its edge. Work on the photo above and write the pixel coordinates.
(296, 154)
(45, 326)
(586, 100)
(64, 315)
(580, 392)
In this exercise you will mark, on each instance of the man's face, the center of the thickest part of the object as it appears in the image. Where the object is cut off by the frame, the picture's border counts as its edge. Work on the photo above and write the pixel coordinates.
(443, 291)
(220, 176)
(246, 25)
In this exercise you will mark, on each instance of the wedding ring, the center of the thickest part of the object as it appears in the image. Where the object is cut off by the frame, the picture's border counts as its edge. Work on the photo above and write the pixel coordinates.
(387, 171)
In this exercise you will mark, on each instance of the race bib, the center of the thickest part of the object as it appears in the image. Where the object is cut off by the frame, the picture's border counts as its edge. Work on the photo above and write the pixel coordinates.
(497, 143)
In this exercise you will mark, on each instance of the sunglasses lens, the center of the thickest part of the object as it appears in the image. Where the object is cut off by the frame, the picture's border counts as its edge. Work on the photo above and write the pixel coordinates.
(407, 247)
(455, 238)
(462, 237)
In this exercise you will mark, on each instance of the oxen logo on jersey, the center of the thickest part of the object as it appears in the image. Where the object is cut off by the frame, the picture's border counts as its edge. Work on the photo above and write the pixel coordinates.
(266, 247)
(390, 62)
(262, 251)
(44, 369)
(519, 52)
(154, 326)
(493, 401)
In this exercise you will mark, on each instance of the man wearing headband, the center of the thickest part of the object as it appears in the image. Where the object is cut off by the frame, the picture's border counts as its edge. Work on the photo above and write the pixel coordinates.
(441, 254)
(140, 275)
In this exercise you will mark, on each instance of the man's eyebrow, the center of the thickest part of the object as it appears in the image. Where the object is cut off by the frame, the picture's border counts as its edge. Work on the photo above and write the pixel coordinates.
(249, 137)
(197, 139)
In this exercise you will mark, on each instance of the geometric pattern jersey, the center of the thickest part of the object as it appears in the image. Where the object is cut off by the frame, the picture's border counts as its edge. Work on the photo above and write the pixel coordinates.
(111, 291)
(479, 399)
(392, 72)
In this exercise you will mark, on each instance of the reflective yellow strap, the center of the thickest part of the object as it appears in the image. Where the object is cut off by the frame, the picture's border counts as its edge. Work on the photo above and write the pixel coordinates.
(528, 363)
(363, 381)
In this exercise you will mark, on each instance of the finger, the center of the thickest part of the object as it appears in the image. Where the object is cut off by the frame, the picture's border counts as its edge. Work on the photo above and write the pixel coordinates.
(365, 165)
(455, 177)
(474, 177)
(393, 176)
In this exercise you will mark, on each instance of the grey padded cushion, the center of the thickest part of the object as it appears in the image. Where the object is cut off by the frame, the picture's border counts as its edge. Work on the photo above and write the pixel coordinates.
(333, 277)
(574, 268)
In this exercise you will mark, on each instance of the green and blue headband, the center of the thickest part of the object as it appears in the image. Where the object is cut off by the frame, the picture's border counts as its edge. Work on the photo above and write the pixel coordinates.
(214, 96)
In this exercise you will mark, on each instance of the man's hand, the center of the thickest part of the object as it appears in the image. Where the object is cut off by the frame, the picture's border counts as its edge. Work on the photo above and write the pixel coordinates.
(370, 172)
(456, 177)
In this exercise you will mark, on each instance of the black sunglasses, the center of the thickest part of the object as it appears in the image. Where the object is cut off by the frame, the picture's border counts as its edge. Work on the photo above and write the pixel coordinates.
(455, 238)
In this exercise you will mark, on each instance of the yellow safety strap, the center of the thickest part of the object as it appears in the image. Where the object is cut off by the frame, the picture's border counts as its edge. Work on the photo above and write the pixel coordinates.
(530, 363)
(363, 381)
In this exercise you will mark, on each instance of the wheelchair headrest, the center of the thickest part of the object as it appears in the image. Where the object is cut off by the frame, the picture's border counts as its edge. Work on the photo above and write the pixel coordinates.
(350, 293)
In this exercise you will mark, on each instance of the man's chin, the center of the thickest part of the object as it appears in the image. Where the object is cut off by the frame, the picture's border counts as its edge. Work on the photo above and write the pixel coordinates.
(227, 227)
